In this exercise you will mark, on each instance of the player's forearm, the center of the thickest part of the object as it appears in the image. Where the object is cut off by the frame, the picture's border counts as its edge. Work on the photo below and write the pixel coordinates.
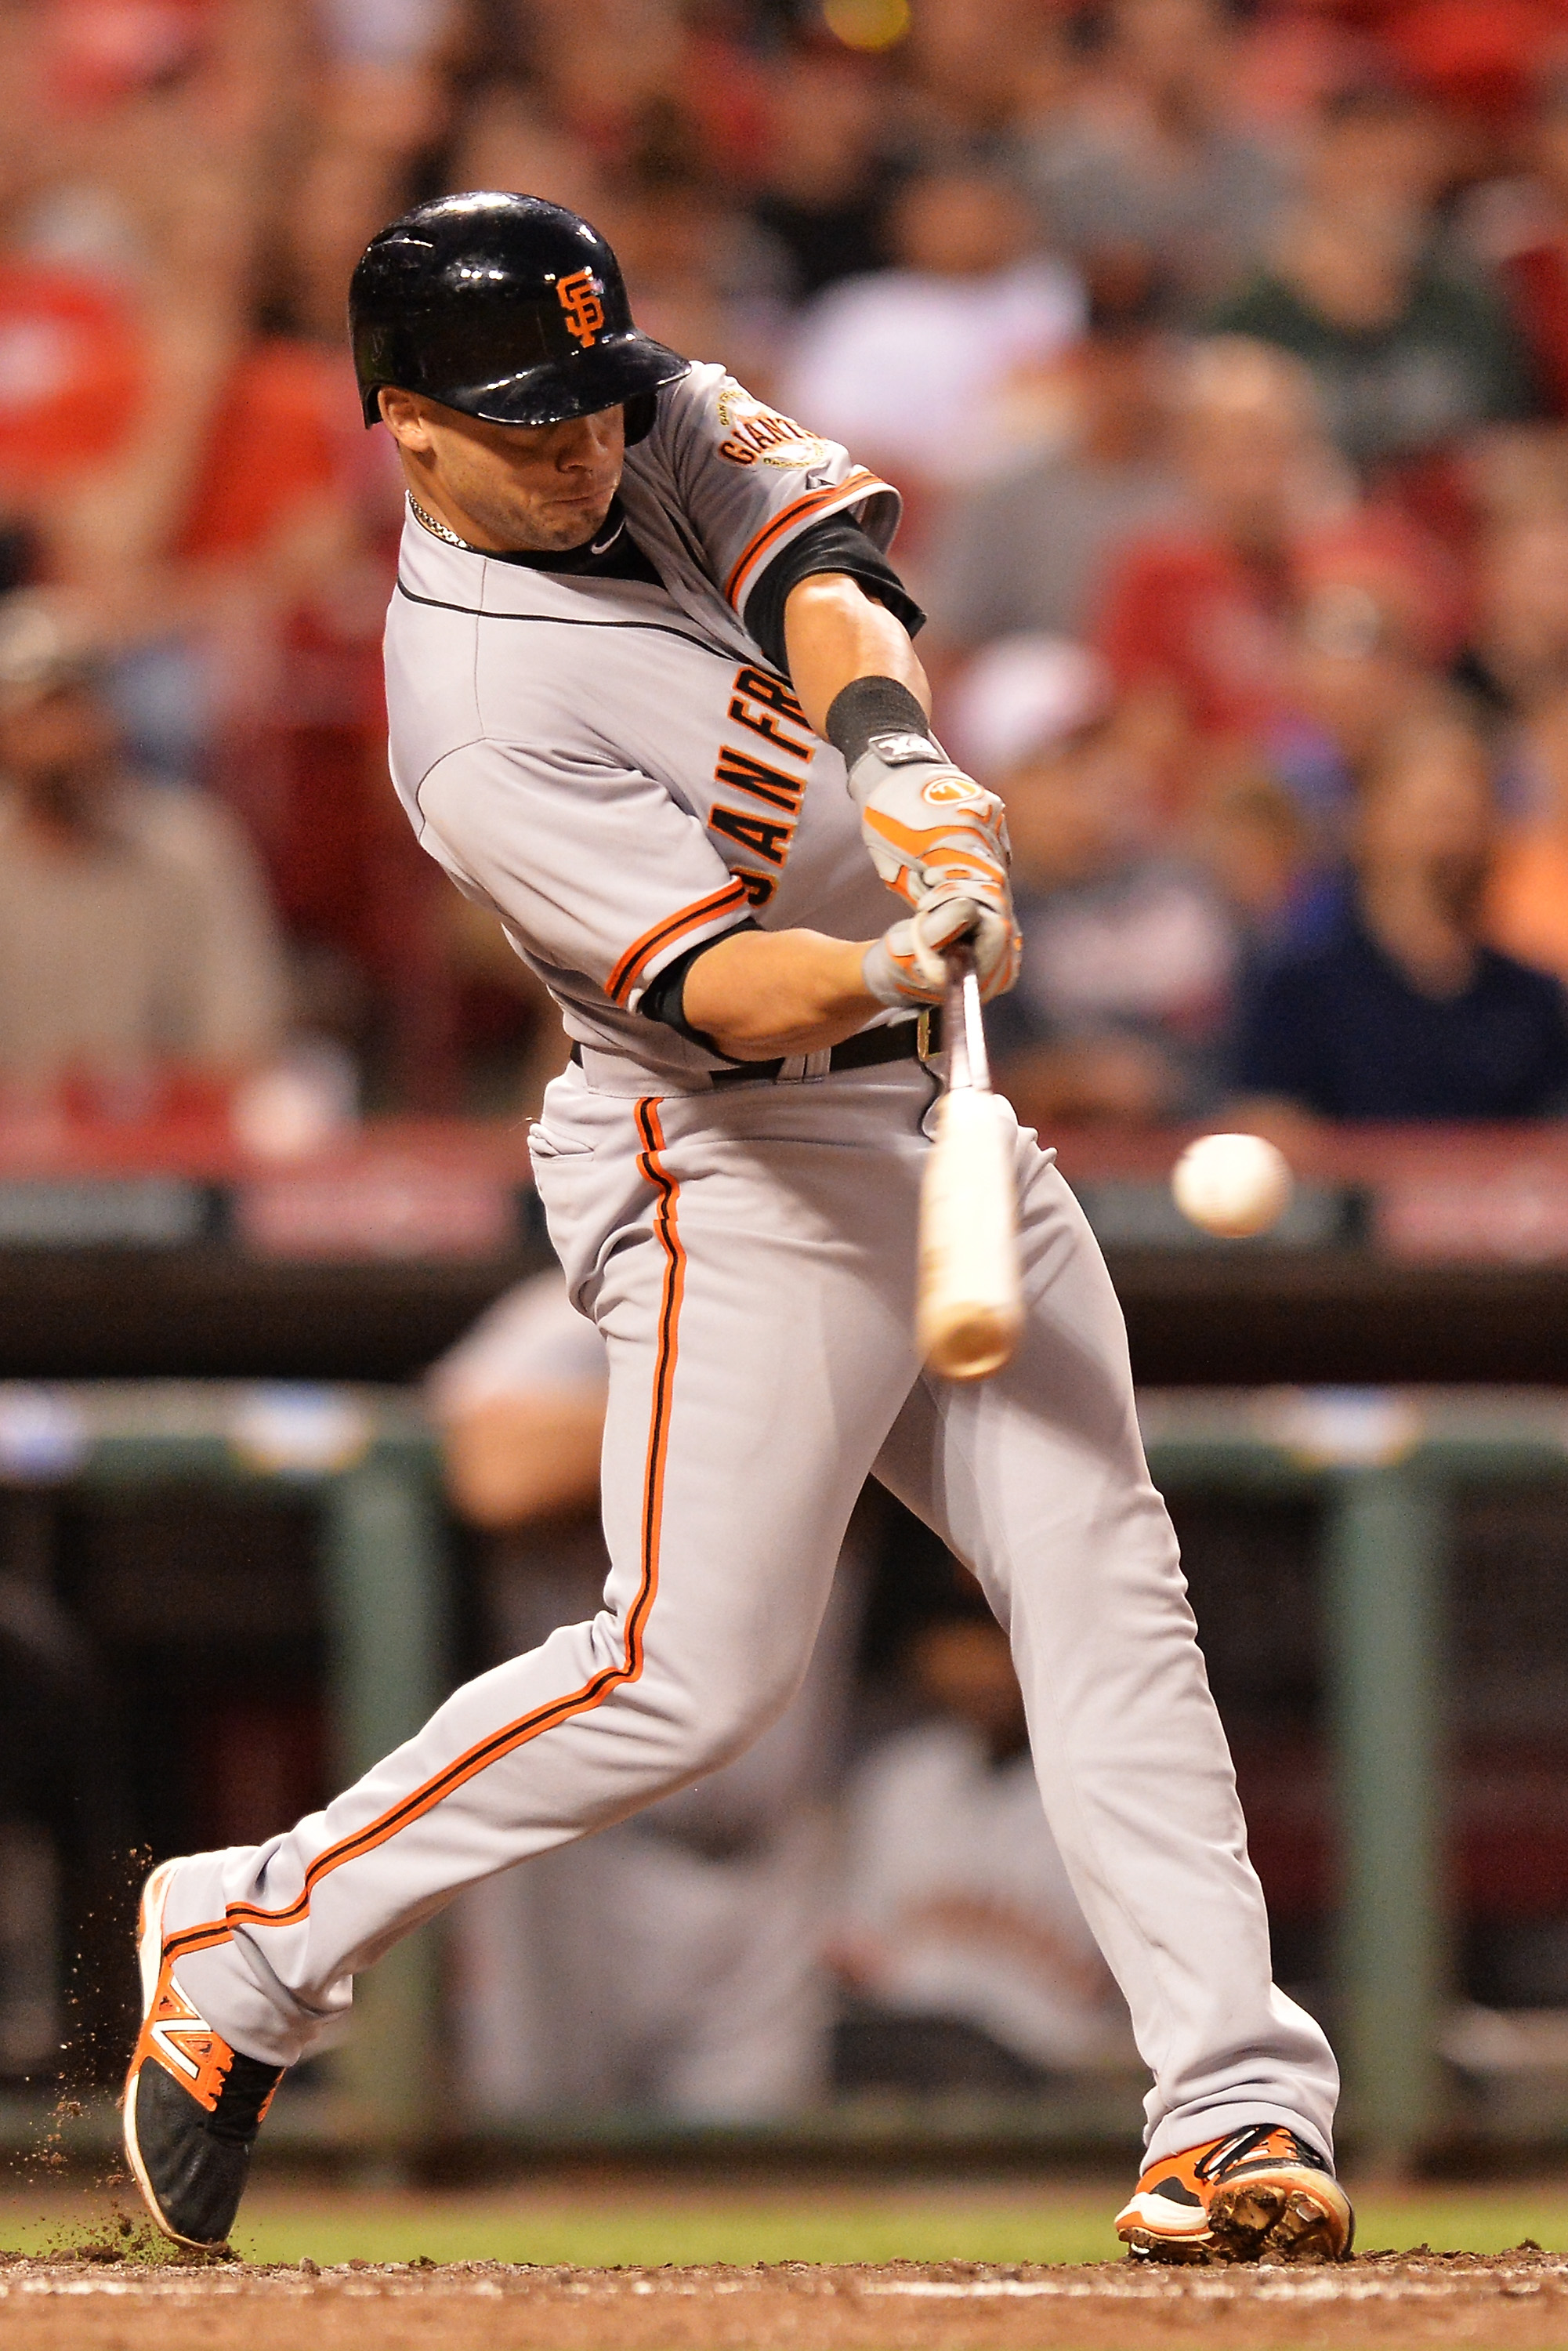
(835, 632)
(758, 994)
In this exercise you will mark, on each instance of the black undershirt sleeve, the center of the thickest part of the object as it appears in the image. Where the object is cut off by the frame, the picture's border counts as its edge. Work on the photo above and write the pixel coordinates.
(836, 544)
(662, 998)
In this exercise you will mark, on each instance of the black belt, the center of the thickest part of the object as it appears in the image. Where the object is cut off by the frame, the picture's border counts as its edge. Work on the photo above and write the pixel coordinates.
(902, 1041)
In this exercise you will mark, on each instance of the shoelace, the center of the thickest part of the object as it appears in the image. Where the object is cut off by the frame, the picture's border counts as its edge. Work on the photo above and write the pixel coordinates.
(1244, 2143)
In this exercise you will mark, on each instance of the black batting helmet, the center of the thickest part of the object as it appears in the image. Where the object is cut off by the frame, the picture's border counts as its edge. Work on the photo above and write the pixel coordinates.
(508, 308)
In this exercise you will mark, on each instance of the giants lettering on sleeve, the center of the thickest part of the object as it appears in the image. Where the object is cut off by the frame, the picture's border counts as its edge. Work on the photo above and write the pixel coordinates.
(754, 432)
(768, 430)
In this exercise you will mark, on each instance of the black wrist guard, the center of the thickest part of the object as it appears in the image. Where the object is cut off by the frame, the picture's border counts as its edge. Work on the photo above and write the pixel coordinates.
(873, 705)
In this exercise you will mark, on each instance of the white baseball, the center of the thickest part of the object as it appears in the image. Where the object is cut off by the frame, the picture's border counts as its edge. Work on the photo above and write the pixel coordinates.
(1232, 1185)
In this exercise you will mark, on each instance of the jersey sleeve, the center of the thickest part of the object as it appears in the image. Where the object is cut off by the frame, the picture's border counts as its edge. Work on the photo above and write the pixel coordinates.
(593, 867)
(750, 480)
(833, 543)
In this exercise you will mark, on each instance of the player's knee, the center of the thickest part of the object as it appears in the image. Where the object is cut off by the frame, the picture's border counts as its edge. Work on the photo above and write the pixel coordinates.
(712, 1726)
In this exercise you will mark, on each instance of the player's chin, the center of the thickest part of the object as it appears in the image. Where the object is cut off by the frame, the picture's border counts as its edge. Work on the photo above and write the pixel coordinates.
(571, 522)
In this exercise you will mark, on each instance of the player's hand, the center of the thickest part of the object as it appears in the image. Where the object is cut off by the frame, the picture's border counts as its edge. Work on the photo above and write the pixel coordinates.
(927, 824)
(905, 965)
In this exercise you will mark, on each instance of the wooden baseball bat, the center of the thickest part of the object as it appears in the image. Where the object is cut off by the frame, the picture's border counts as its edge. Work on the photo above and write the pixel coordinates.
(969, 1308)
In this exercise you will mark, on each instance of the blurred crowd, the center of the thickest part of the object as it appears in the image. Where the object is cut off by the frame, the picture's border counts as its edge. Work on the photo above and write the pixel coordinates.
(1221, 354)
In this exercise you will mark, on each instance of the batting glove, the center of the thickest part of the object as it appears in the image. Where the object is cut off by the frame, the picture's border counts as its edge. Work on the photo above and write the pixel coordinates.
(927, 824)
(905, 965)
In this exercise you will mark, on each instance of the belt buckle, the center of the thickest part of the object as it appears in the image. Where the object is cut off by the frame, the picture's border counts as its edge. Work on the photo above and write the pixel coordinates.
(929, 1034)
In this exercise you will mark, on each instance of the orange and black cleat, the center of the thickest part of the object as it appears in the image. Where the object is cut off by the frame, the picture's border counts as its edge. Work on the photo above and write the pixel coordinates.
(192, 2106)
(1256, 2191)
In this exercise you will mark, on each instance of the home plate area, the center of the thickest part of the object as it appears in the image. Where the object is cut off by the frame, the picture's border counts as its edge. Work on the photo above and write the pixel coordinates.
(91, 2302)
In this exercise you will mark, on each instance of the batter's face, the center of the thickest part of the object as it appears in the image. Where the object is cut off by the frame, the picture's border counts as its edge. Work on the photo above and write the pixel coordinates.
(533, 488)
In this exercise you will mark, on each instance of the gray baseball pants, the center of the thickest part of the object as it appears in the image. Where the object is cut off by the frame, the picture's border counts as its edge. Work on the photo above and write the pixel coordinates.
(749, 1258)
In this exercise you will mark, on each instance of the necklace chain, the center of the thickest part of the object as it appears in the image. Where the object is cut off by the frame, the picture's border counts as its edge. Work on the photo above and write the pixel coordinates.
(439, 530)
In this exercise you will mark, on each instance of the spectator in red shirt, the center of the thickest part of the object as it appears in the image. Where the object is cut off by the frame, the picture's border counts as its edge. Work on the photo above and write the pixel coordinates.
(1523, 232)
(1198, 617)
(73, 369)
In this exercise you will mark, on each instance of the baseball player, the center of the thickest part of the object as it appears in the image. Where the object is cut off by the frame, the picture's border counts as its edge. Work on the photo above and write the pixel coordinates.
(653, 700)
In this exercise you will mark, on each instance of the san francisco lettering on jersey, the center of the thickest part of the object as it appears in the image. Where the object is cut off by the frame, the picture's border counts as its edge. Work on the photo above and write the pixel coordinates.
(758, 702)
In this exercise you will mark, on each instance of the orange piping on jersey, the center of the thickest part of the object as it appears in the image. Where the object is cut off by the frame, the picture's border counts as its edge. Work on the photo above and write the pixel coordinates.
(641, 952)
(511, 1736)
(847, 493)
(195, 1938)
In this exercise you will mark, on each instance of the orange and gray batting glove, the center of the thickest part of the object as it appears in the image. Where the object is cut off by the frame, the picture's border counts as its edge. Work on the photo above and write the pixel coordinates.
(905, 965)
(940, 840)
(925, 821)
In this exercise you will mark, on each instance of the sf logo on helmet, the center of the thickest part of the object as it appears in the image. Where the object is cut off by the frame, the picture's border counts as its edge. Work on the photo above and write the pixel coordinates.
(578, 297)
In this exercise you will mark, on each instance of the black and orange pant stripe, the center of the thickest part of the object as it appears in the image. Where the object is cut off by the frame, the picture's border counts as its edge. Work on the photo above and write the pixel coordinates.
(511, 1736)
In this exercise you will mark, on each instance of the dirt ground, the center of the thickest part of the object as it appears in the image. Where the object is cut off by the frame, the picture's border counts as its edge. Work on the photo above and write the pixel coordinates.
(98, 2300)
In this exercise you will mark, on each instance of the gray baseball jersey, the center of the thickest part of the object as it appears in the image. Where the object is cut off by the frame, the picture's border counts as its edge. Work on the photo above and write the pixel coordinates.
(613, 767)
(571, 750)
